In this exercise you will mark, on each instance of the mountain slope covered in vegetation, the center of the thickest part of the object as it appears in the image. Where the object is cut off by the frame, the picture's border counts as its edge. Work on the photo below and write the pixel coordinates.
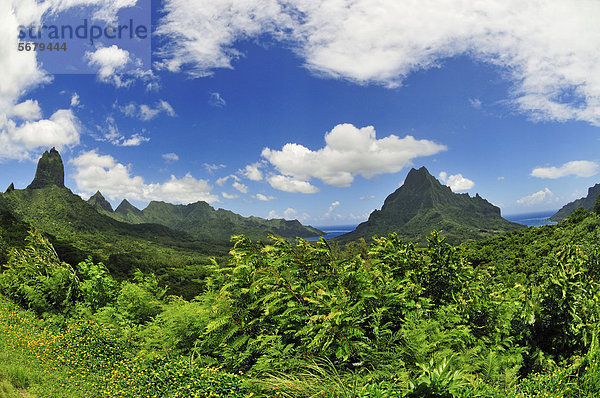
(586, 202)
(201, 220)
(422, 204)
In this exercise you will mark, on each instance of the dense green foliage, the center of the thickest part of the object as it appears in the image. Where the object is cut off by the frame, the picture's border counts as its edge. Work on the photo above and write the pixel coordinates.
(422, 204)
(517, 315)
(78, 231)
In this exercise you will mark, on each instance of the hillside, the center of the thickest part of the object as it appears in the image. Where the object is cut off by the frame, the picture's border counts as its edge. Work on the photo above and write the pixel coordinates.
(423, 204)
(201, 220)
(587, 203)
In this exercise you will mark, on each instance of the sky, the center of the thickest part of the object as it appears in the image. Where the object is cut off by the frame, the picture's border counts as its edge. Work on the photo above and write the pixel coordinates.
(304, 109)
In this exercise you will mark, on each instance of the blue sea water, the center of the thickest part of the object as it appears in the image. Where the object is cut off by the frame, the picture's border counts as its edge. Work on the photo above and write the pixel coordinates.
(332, 231)
(530, 219)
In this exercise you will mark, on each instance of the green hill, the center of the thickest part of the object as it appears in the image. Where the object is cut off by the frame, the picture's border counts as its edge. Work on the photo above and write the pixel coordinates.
(423, 204)
(587, 203)
(201, 220)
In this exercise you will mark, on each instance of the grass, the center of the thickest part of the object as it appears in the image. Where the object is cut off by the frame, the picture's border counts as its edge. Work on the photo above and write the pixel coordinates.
(85, 359)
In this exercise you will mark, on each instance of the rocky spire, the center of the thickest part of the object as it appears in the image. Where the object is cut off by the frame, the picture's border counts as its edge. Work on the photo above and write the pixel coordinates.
(50, 171)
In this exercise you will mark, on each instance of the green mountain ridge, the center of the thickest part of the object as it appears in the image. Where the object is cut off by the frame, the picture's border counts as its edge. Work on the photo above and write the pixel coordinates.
(423, 204)
(586, 202)
(201, 220)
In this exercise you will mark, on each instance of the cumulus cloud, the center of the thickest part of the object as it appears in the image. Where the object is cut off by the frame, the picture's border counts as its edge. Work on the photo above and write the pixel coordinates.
(252, 172)
(456, 182)
(110, 62)
(543, 196)
(548, 49)
(369, 197)
(170, 157)
(264, 198)
(115, 180)
(579, 168)
(349, 151)
(289, 184)
(228, 196)
(21, 72)
(240, 187)
(27, 110)
(19, 141)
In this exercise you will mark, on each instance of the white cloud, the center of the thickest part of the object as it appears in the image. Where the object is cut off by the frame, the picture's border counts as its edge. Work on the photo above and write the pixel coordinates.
(27, 110)
(579, 168)
(349, 151)
(240, 187)
(18, 141)
(216, 100)
(290, 214)
(264, 198)
(501, 178)
(547, 49)
(223, 180)
(110, 62)
(115, 180)
(456, 182)
(228, 196)
(252, 172)
(289, 184)
(170, 157)
(75, 100)
(543, 196)
(211, 168)
(134, 140)
(369, 197)
(332, 208)
(110, 133)
(273, 214)
(146, 112)
(201, 34)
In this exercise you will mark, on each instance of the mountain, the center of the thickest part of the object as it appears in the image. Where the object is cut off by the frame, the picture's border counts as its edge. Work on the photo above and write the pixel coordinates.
(423, 204)
(98, 202)
(78, 230)
(50, 171)
(201, 220)
(587, 203)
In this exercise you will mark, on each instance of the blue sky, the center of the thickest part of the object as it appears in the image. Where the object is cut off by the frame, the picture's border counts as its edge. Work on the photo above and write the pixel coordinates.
(285, 109)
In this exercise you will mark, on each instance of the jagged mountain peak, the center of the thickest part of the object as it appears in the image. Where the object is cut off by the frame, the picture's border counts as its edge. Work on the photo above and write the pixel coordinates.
(98, 202)
(126, 207)
(50, 171)
(423, 204)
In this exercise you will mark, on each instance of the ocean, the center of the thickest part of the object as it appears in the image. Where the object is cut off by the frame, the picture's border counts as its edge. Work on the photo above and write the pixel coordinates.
(530, 219)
